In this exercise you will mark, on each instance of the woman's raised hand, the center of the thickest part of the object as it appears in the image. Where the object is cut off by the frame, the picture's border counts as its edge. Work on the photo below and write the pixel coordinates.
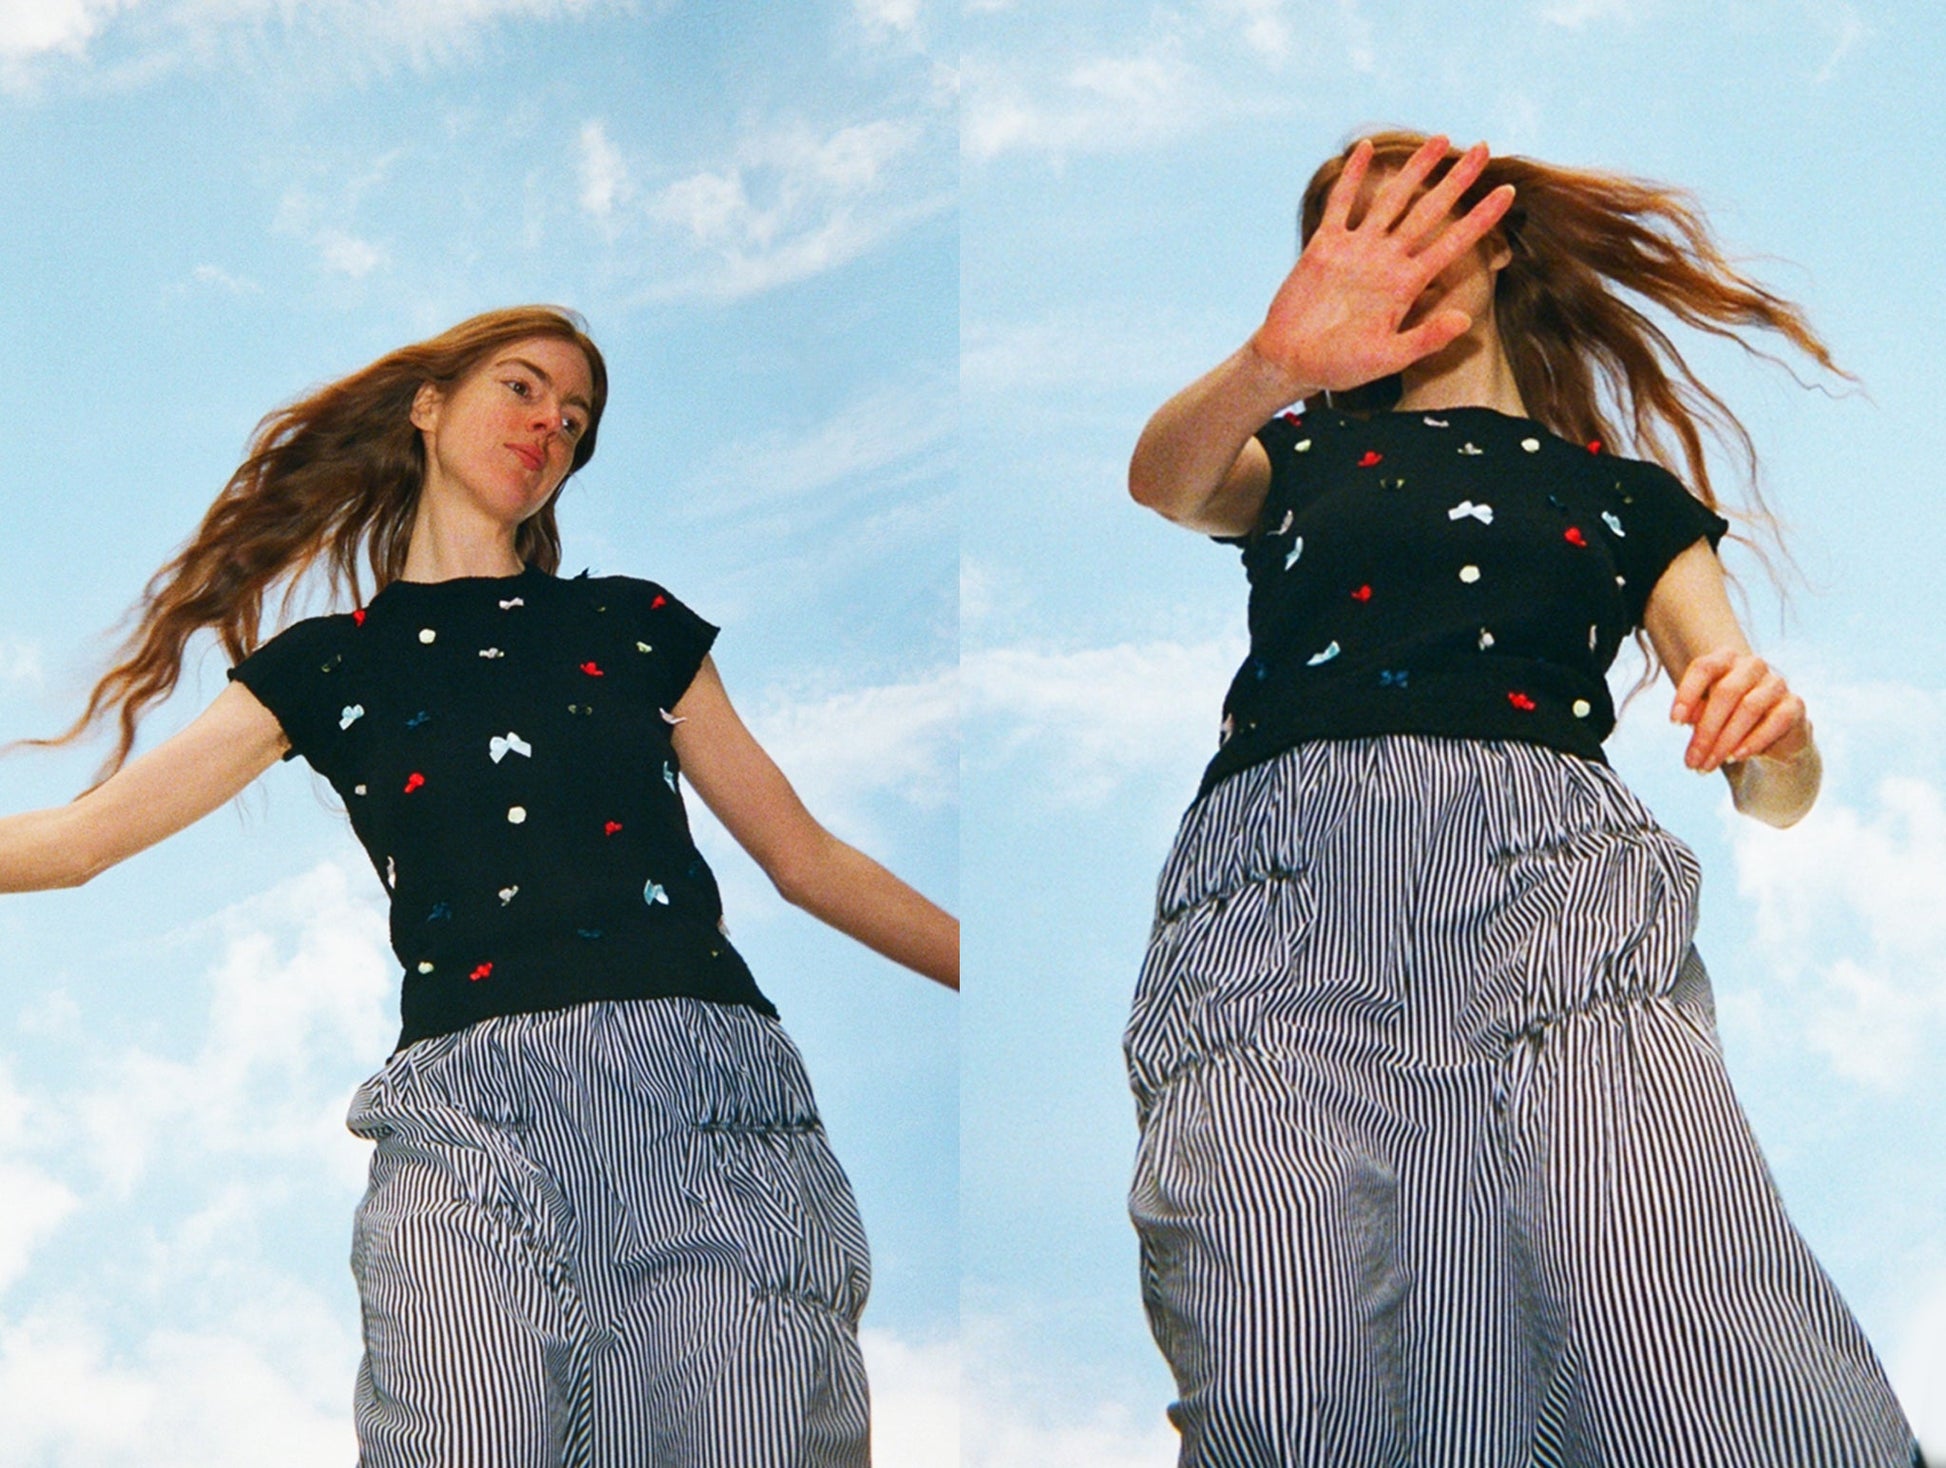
(1338, 320)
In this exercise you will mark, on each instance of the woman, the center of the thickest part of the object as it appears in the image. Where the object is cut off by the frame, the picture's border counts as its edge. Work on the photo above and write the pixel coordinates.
(603, 1225)
(1439, 1161)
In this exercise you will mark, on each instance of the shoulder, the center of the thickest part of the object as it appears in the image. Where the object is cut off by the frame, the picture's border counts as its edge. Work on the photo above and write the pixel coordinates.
(635, 592)
(311, 633)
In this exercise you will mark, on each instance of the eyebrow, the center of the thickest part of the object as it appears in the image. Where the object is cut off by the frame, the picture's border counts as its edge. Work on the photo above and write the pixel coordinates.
(542, 374)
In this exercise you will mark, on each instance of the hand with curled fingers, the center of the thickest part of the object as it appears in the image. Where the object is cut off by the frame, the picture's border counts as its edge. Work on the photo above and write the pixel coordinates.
(1338, 319)
(1739, 708)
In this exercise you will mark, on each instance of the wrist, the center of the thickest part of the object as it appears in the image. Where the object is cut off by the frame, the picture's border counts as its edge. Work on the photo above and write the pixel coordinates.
(1268, 377)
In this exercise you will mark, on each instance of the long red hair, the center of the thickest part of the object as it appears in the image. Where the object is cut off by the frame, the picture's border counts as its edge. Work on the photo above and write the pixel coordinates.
(332, 477)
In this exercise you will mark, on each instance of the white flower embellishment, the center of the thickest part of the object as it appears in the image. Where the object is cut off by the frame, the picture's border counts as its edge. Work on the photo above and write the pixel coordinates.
(652, 893)
(352, 714)
(670, 719)
(426, 634)
(491, 652)
(1482, 513)
(1323, 657)
(1532, 445)
(511, 603)
(1296, 550)
(1609, 519)
(1470, 449)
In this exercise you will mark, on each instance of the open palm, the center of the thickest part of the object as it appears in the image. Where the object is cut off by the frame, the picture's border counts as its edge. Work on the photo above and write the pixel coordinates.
(1338, 319)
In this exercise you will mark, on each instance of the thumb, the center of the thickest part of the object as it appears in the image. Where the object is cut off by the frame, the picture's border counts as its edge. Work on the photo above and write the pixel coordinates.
(1438, 329)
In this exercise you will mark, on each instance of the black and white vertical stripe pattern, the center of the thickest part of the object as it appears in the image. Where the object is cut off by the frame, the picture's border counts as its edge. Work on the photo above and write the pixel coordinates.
(608, 1236)
(1440, 1167)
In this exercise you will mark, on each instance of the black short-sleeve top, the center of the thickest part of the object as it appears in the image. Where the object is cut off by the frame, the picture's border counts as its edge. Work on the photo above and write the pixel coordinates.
(502, 747)
(1461, 572)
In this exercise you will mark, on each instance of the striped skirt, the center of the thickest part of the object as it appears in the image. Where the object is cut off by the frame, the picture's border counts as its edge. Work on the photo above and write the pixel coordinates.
(1440, 1167)
(608, 1236)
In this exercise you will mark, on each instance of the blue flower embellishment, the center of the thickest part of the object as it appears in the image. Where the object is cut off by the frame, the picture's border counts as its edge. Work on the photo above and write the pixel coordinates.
(1392, 677)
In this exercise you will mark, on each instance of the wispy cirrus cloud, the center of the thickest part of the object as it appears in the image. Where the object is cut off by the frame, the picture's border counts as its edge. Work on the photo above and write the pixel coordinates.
(1100, 717)
(144, 39)
(792, 201)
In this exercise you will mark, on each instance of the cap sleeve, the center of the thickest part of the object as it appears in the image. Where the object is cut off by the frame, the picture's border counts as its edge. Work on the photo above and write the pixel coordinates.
(291, 676)
(680, 638)
(1660, 519)
(1286, 441)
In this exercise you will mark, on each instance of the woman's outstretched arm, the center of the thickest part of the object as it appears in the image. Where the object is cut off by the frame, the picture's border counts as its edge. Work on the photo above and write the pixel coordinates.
(810, 867)
(1337, 321)
(1745, 719)
(174, 785)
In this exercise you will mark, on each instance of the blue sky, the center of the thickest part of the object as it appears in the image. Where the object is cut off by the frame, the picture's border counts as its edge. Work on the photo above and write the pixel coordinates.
(212, 205)
(887, 289)
(1129, 181)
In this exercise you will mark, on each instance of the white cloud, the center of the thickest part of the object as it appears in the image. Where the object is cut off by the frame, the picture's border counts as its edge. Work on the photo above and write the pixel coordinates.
(828, 467)
(227, 1398)
(1849, 915)
(1916, 1362)
(842, 751)
(1103, 104)
(1098, 717)
(34, 27)
(233, 1359)
(1265, 28)
(217, 276)
(1848, 28)
(915, 1400)
(348, 35)
(888, 17)
(1019, 1411)
(604, 176)
(791, 204)
(20, 662)
(1573, 14)
(327, 223)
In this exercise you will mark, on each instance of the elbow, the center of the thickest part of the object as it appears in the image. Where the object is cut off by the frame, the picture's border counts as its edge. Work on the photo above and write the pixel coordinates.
(801, 871)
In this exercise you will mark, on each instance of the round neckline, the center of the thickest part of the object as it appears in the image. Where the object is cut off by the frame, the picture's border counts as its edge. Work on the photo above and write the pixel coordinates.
(526, 573)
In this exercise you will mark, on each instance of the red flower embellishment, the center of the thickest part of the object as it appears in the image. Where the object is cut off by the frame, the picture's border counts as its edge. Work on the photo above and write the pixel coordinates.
(611, 828)
(1292, 418)
(593, 670)
(1364, 593)
(413, 781)
(1575, 537)
(1372, 456)
(1594, 445)
(481, 972)
(359, 616)
(659, 603)
(1521, 701)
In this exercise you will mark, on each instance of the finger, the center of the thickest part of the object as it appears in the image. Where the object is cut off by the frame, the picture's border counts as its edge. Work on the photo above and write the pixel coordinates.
(1781, 735)
(1430, 211)
(1441, 327)
(1463, 234)
(1724, 696)
(1694, 684)
(1750, 711)
(1337, 204)
(1396, 192)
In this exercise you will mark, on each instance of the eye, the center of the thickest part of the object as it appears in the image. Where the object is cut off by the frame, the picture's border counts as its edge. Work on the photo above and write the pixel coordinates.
(519, 387)
(571, 427)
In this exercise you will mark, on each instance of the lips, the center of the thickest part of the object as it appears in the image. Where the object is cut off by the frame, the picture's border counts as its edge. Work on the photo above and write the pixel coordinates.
(533, 458)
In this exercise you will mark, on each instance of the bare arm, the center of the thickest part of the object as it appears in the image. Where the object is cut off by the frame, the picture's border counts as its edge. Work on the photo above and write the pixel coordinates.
(810, 867)
(174, 785)
(1336, 322)
(1746, 721)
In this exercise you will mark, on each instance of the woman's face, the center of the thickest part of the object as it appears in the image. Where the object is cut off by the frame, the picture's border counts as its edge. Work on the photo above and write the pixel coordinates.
(1466, 284)
(504, 436)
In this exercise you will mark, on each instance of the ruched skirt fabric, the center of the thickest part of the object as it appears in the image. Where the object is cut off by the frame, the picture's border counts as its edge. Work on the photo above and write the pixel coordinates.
(1439, 1166)
(608, 1236)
